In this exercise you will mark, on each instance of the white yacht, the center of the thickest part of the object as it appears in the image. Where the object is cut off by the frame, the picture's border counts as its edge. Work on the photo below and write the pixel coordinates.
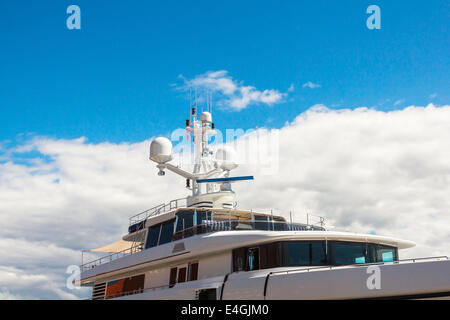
(203, 247)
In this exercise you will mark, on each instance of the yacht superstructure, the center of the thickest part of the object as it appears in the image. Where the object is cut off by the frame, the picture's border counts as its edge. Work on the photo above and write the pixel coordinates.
(203, 247)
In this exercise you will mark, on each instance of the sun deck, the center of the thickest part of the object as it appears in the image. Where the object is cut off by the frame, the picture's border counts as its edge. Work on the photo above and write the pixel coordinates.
(169, 222)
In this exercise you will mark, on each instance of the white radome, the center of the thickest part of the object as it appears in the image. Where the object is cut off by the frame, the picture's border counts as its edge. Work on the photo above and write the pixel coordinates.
(161, 150)
(226, 158)
(206, 117)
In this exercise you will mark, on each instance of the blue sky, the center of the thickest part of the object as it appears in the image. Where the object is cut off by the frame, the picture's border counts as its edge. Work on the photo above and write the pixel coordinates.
(113, 79)
(120, 78)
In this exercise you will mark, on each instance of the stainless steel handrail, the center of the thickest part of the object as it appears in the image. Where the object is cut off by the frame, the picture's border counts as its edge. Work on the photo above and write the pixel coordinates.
(156, 210)
(210, 226)
(307, 269)
(236, 225)
(133, 292)
(182, 203)
(113, 256)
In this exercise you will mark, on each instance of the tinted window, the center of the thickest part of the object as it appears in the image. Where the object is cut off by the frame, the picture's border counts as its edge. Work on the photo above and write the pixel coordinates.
(279, 224)
(193, 271)
(181, 275)
(273, 255)
(166, 232)
(349, 253)
(203, 216)
(318, 253)
(173, 277)
(185, 220)
(152, 237)
(239, 256)
(298, 253)
(207, 294)
(382, 253)
(310, 253)
(260, 222)
(253, 259)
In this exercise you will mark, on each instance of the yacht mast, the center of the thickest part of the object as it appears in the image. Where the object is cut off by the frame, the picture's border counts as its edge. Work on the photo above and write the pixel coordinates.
(211, 181)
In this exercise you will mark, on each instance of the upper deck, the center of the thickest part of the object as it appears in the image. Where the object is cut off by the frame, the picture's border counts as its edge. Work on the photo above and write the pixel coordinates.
(170, 222)
(156, 228)
(223, 219)
(211, 243)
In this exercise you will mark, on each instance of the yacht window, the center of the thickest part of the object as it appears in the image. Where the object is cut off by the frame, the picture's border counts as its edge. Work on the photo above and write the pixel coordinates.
(153, 236)
(279, 224)
(298, 253)
(207, 294)
(181, 275)
(261, 222)
(269, 255)
(203, 216)
(381, 253)
(185, 220)
(253, 259)
(173, 277)
(318, 253)
(124, 286)
(310, 253)
(193, 271)
(349, 253)
(166, 232)
(240, 264)
(134, 284)
(304, 253)
(239, 259)
(273, 255)
(387, 256)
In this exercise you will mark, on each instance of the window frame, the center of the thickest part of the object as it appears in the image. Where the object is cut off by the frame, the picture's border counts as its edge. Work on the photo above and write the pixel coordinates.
(326, 255)
(332, 251)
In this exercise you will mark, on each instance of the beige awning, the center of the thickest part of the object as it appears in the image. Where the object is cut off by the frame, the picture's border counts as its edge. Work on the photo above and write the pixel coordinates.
(117, 246)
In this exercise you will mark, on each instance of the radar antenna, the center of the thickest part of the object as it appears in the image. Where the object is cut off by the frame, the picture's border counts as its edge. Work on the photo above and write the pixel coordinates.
(210, 180)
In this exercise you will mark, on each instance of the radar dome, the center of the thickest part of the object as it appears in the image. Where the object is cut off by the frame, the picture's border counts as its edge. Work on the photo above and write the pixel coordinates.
(161, 150)
(226, 158)
(206, 117)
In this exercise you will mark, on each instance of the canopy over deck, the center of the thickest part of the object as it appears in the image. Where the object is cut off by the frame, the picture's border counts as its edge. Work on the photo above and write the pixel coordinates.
(118, 246)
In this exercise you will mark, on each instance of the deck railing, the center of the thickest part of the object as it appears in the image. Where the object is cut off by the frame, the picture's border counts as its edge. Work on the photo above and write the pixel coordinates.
(113, 256)
(206, 227)
(235, 225)
(411, 260)
(162, 208)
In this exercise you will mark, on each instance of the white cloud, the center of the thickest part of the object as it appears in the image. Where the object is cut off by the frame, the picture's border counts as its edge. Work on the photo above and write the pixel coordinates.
(82, 199)
(365, 170)
(31, 285)
(399, 102)
(231, 93)
(291, 88)
(311, 85)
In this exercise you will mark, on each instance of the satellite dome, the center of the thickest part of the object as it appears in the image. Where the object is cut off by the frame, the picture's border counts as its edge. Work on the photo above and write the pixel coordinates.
(206, 117)
(226, 158)
(161, 150)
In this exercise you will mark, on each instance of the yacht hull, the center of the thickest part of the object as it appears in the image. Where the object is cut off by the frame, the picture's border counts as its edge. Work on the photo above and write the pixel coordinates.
(412, 280)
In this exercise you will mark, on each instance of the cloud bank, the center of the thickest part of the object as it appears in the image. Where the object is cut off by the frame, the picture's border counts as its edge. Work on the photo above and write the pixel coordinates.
(364, 170)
